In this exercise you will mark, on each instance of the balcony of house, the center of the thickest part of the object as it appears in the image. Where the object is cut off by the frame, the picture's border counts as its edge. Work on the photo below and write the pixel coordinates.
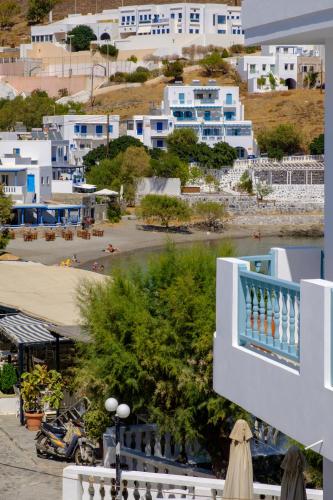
(14, 182)
(186, 115)
(272, 347)
(99, 482)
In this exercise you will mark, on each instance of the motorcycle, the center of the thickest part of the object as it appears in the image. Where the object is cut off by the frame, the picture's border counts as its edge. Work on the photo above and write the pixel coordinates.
(66, 442)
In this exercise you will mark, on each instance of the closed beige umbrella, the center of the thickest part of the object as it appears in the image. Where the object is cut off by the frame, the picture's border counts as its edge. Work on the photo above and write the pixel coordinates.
(293, 484)
(239, 480)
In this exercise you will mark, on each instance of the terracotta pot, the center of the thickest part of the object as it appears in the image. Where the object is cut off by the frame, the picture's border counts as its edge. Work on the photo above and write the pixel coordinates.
(33, 421)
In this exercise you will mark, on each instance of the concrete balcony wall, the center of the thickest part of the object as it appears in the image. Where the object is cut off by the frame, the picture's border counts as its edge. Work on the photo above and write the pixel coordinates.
(296, 399)
(297, 263)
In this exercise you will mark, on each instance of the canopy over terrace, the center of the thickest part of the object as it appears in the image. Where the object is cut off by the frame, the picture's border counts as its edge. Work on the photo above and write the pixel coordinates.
(47, 214)
(39, 306)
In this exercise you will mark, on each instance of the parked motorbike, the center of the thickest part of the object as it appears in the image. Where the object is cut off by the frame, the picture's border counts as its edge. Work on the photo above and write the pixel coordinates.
(67, 442)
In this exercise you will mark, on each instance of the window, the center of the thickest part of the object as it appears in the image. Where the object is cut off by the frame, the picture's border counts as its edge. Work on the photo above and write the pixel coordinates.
(77, 128)
(82, 146)
(172, 15)
(207, 116)
(221, 32)
(42, 180)
(145, 17)
(191, 30)
(159, 143)
(197, 32)
(180, 30)
(221, 19)
(181, 98)
(99, 129)
(272, 67)
(16, 151)
(139, 129)
(47, 180)
(154, 32)
(123, 19)
(83, 129)
(158, 32)
(167, 30)
(264, 67)
(180, 15)
(110, 129)
(292, 66)
(159, 126)
(286, 67)
(253, 68)
(163, 31)
(188, 115)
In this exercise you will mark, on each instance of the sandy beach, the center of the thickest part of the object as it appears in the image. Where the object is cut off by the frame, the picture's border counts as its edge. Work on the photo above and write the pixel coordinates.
(128, 237)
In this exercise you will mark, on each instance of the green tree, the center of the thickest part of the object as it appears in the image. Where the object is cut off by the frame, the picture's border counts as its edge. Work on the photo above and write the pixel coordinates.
(133, 58)
(203, 155)
(5, 216)
(173, 69)
(109, 50)
(169, 165)
(82, 36)
(214, 63)
(272, 81)
(38, 9)
(211, 211)
(261, 81)
(310, 79)
(116, 146)
(30, 111)
(8, 10)
(263, 190)
(285, 139)
(317, 146)
(225, 53)
(164, 209)
(152, 346)
(223, 155)
(181, 142)
(245, 184)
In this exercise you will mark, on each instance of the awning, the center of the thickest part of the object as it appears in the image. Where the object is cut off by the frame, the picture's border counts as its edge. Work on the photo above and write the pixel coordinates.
(144, 30)
(106, 192)
(22, 329)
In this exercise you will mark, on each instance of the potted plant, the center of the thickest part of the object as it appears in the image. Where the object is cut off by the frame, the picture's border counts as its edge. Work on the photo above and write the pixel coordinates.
(40, 387)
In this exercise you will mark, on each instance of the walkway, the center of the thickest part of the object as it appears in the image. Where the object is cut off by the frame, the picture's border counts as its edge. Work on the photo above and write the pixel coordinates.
(24, 476)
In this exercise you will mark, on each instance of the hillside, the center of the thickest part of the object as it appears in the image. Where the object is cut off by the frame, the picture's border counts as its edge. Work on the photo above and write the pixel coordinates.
(304, 108)
(65, 7)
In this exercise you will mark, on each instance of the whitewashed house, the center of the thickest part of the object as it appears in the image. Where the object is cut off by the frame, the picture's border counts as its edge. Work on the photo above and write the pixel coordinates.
(84, 132)
(280, 62)
(273, 350)
(214, 112)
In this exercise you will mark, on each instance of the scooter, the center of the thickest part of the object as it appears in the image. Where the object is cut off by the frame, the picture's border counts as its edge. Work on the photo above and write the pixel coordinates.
(51, 442)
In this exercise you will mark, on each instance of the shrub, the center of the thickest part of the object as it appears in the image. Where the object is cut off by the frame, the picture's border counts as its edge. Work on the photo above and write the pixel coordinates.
(317, 146)
(8, 378)
(114, 213)
(118, 77)
(164, 208)
(82, 36)
(133, 58)
(108, 49)
(137, 77)
(237, 48)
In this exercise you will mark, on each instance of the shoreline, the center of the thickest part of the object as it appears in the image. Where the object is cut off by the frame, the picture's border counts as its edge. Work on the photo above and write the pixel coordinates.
(130, 239)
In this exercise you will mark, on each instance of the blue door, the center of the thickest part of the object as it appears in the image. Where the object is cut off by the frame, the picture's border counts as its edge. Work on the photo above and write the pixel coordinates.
(30, 183)
(207, 116)
(229, 99)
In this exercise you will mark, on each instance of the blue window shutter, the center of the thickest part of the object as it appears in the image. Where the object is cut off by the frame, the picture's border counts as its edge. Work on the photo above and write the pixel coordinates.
(99, 129)
(110, 129)
(83, 129)
(77, 128)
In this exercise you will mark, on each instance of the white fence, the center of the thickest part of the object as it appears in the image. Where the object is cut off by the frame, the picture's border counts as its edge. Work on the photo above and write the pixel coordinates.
(98, 483)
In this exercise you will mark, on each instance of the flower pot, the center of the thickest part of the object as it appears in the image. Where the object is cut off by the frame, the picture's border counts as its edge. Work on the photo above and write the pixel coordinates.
(33, 421)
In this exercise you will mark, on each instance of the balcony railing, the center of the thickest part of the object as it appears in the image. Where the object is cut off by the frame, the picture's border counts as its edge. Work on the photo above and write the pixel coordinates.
(95, 483)
(14, 190)
(260, 263)
(269, 314)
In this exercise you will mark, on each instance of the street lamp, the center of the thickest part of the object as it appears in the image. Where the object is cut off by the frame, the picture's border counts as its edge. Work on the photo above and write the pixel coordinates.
(121, 411)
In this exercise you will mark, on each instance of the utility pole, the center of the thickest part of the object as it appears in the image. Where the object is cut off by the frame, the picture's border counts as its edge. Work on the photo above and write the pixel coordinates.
(107, 134)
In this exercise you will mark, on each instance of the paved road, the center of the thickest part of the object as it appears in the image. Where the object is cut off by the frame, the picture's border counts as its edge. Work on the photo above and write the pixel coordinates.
(23, 476)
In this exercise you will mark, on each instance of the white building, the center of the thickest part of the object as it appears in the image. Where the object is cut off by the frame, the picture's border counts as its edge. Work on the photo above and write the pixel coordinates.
(103, 24)
(280, 61)
(26, 169)
(164, 29)
(84, 132)
(214, 112)
(273, 342)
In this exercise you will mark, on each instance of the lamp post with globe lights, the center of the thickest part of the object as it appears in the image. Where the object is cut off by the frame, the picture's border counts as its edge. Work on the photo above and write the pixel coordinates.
(121, 411)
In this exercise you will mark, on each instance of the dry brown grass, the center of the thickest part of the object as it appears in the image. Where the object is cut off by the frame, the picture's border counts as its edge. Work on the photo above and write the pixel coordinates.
(303, 108)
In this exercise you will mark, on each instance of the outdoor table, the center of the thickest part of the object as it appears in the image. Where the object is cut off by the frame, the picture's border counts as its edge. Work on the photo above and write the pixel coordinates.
(49, 236)
(85, 235)
(98, 232)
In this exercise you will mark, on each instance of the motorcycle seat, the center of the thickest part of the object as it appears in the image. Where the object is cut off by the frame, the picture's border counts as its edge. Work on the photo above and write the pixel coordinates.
(54, 429)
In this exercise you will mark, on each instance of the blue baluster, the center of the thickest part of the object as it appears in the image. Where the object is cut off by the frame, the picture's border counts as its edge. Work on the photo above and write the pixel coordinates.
(262, 336)
(298, 299)
(277, 317)
(255, 313)
(269, 317)
(248, 311)
(292, 346)
(284, 340)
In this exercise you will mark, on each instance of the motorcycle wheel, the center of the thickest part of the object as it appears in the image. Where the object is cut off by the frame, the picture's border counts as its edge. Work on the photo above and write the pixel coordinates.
(90, 460)
(41, 446)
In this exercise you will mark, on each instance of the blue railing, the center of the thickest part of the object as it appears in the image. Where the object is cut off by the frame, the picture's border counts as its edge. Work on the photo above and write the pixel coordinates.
(269, 314)
(260, 263)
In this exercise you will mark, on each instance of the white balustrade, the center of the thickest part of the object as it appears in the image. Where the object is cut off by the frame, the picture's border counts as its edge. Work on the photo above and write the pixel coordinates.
(98, 483)
(13, 190)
